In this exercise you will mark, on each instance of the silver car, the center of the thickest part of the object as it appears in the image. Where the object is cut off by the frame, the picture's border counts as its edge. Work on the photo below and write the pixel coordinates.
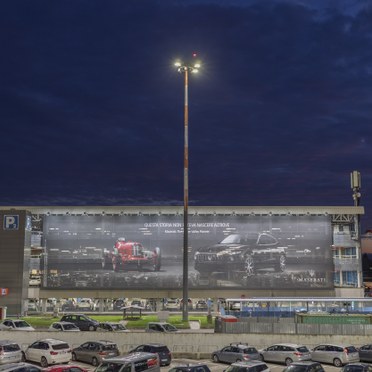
(10, 352)
(237, 352)
(285, 353)
(337, 355)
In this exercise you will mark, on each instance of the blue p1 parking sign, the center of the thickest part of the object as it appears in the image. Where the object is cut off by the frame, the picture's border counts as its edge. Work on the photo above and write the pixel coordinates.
(11, 222)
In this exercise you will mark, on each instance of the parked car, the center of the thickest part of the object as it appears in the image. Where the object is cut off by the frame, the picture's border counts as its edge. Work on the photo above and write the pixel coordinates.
(172, 304)
(10, 352)
(143, 362)
(20, 367)
(64, 327)
(160, 327)
(69, 305)
(242, 252)
(85, 304)
(190, 368)
(119, 304)
(201, 305)
(48, 351)
(112, 327)
(305, 366)
(82, 321)
(356, 367)
(365, 353)
(235, 352)
(165, 356)
(338, 355)
(285, 353)
(15, 325)
(65, 367)
(94, 352)
(250, 366)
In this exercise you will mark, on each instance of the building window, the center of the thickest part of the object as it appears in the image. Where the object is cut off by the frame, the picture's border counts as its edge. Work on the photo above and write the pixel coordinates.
(350, 278)
(336, 278)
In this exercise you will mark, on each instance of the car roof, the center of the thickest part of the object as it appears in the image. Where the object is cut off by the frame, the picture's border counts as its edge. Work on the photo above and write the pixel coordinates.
(153, 344)
(11, 366)
(7, 342)
(248, 363)
(130, 357)
(52, 341)
(291, 345)
(304, 363)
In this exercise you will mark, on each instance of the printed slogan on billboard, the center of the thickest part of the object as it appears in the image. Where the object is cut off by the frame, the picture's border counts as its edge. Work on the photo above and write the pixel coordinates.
(146, 252)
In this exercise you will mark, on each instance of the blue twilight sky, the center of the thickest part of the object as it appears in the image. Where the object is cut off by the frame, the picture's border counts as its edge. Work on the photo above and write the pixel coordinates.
(92, 108)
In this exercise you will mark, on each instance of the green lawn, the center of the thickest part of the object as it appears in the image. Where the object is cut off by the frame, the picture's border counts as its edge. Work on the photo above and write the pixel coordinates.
(138, 323)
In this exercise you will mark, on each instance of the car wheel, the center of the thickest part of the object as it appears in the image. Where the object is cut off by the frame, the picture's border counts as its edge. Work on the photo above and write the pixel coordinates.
(288, 361)
(91, 328)
(94, 362)
(44, 362)
(261, 358)
(337, 362)
(215, 358)
(73, 356)
(249, 265)
(281, 263)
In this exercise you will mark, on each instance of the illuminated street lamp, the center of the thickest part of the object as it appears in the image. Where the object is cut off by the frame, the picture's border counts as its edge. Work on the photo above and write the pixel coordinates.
(185, 68)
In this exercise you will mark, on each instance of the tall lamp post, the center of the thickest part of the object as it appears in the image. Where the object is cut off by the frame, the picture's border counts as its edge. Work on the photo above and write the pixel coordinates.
(185, 69)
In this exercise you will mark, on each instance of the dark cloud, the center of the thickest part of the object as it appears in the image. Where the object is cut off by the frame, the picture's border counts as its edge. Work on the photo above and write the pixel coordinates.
(92, 108)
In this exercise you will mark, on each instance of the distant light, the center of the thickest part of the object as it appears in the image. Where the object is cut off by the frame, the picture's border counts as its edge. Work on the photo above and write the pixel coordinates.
(177, 64)
(197, 65)
(194, 54)
(194, 70)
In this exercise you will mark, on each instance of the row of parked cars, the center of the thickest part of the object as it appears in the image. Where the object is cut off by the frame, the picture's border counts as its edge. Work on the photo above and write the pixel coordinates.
(338, 355)
(50, 351)
(81, 322)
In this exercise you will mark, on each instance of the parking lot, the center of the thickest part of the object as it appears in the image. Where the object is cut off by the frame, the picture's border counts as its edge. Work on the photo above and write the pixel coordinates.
(214, 367)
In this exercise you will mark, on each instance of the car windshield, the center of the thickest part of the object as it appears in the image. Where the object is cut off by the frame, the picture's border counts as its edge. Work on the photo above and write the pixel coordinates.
(109, 347)
(250, 238)
(169, 327)
(250, 350)
(296, 368)
(10, 347)
(118, 327)
(351, 349)
(60, 346)
(303, 349)
(21, 324)
(67, 327)
(109, 366)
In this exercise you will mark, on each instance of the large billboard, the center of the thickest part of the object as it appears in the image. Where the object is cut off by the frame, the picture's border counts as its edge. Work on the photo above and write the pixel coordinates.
(146, 252)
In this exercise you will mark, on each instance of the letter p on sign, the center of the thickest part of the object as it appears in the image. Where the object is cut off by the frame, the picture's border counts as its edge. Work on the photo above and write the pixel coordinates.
(11, 222)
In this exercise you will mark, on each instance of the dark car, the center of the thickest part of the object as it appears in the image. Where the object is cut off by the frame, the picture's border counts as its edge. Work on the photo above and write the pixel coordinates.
(165, 356)
(236, 352)
(190, 368)
(242, 253)
(82, 321)
(20, 367)
(94, 352)
(305, 366)
(356, 367)
(251, 366)
(365, 353)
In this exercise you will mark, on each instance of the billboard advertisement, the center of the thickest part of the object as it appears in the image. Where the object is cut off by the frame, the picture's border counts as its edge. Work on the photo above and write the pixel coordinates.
(225, 251)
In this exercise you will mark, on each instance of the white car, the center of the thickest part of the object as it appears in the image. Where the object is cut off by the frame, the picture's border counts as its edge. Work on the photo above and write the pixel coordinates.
(15, 325)
(86, 304)
(64, 327)
(48, 351)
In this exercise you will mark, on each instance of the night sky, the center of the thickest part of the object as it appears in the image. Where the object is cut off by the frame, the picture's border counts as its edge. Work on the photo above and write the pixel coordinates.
(91, 106)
